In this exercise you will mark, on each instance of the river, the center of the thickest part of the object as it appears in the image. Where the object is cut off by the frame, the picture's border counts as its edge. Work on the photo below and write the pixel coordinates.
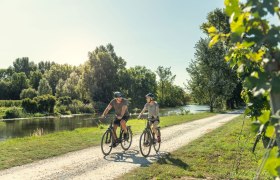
(27, 127)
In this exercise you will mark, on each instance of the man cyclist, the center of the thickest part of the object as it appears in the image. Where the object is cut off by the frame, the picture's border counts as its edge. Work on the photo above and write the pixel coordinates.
(153, 113)
(122, 115)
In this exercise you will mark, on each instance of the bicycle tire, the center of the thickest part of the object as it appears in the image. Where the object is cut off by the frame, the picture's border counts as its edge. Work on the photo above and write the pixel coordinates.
(107, 142)
(126, 143)
(145, 143)
(156, 144)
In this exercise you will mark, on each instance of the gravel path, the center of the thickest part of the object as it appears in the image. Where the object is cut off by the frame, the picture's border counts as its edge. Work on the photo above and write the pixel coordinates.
(91, 164)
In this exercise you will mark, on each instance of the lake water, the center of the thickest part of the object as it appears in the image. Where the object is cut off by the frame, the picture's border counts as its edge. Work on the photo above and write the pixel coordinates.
(27, 127)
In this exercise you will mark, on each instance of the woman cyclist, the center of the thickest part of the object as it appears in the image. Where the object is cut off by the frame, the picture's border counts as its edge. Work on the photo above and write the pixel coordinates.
(153, 113)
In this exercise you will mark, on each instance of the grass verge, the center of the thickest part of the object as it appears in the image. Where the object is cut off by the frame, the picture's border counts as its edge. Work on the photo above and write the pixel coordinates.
(220, 154)
(20, 151)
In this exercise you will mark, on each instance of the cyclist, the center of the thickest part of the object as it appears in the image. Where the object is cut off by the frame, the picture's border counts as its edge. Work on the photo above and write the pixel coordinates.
(153, 113)
(120, 105)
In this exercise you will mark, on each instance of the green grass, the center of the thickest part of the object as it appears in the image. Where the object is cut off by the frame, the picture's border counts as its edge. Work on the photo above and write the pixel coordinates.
(216, 155)
(20, 151)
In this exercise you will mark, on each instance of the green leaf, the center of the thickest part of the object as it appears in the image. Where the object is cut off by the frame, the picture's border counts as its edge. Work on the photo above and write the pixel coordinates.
(273, 162)
(232, 6)
(265, 116)
(214, 40)
(269, 131)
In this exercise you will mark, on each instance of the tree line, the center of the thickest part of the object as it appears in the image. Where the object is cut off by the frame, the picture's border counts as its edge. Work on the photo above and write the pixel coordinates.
(93, 82)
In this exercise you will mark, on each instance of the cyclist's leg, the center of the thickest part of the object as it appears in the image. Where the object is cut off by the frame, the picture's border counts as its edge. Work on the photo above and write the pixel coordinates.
(123, 123)
(155, 126)
(116, 124)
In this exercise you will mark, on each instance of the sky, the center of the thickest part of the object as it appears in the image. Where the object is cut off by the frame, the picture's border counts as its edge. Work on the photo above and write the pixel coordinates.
(149, 33)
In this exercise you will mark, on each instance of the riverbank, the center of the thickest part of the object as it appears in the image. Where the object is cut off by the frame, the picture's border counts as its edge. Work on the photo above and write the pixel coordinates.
(20, 151)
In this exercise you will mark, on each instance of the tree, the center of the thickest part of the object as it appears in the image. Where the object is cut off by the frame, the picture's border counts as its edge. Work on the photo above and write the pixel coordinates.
(57, 72)
(255, 52)
(101, 73)
(220, 21)
(165, 77)
(23, 65)
(35, 77)
(44, 66)
(136, 82)
(44, 88)
(19, 82)
(5, 87)
(70, 87)
(211, 79)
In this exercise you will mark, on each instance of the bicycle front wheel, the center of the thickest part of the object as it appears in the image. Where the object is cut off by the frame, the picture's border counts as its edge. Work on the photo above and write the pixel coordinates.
(126, 142)
(156, 143)
(145, 143)
(106, 142)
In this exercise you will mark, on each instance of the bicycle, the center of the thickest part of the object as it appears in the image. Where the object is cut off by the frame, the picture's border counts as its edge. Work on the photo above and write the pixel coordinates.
(147, 139)
(108, 140)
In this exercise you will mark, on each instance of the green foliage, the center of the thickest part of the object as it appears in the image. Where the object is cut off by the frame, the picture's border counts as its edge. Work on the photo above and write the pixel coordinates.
(212, 81)
(5, 89)
(10, 103)
(45, 103)
(28, 93)
(255, 53)
(169, 95)
(44, 88)
(19, 82)
(29, 105)
(64, 100)
(13, 112)
(136, 82)
(35, 77)
(101, 73)
(23, 65)
(70, 86)
(57, 72)
(77, 107)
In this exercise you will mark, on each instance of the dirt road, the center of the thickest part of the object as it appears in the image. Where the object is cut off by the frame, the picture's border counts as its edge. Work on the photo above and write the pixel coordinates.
(91, 164)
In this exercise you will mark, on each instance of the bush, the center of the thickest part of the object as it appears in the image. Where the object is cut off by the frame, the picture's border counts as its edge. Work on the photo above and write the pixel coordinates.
(46, 103)
(28, 93)
(87, 108)
(29, 105)
(62, 110)
(13, 112)
(64, 100)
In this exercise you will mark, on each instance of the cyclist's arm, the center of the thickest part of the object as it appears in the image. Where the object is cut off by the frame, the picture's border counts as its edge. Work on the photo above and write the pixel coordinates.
(124, 108)
(108, 108)
(143, 110)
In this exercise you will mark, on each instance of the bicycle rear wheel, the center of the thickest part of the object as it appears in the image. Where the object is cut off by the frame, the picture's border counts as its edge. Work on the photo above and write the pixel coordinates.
(106, 142)
(156, 144)
(145, 143)
(126, 143)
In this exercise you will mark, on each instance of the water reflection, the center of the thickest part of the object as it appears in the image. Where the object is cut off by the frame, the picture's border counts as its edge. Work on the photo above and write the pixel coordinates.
(26, 127)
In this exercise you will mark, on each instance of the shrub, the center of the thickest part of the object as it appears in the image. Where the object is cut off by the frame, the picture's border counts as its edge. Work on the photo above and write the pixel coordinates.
(29, 105)
(46, 103)
(64, 100)
(28, 93)
(13, 112)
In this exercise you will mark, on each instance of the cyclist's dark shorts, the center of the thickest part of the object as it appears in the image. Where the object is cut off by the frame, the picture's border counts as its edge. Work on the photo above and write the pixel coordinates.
(118, 122)
(152, 120)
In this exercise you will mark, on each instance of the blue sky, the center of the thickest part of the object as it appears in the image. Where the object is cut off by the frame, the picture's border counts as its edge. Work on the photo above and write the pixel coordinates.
(147, 32)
